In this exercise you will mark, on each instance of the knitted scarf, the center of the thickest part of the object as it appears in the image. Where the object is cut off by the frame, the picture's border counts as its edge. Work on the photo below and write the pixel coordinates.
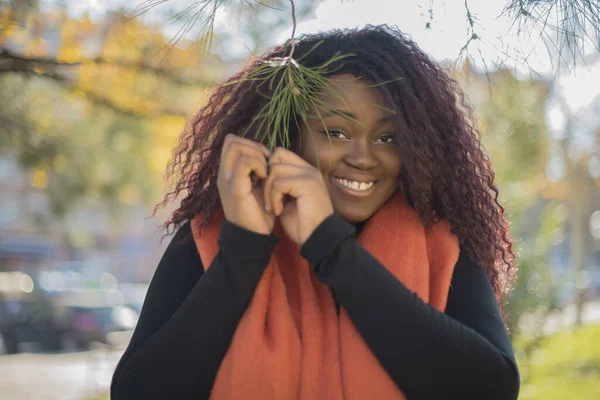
(291, 343)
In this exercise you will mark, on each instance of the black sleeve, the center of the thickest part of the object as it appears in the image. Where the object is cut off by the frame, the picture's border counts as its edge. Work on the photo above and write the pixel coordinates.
(464, 353)
(189, 317)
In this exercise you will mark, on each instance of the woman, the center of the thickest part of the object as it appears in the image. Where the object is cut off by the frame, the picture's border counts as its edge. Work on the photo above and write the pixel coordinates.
(363, 263)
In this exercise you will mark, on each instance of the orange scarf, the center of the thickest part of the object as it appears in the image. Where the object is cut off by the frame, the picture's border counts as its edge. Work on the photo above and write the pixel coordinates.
(291, 343)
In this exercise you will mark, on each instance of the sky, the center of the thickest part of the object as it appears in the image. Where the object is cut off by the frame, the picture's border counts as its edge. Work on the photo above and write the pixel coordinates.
(448, 30)
(448, 33)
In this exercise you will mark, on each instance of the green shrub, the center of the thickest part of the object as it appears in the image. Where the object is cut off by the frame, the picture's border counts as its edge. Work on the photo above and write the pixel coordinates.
(565, 365)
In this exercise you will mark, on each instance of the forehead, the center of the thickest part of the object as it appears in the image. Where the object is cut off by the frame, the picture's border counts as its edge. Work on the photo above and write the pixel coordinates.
(354, 95)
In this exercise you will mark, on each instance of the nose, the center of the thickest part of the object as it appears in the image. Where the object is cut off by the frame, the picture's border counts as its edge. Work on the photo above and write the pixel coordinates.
(360, 155)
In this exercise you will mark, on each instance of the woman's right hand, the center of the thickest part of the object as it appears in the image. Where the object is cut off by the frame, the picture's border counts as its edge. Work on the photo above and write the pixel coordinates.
(243, 202)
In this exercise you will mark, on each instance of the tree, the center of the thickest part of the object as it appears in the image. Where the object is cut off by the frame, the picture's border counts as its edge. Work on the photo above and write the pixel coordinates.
(79, 104)
(567, 28)
(580, 188)
(511, 120)
(61, 76)
(542, 206)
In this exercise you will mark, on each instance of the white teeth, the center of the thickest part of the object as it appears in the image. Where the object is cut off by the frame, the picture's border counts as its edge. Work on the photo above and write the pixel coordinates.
(355, 185)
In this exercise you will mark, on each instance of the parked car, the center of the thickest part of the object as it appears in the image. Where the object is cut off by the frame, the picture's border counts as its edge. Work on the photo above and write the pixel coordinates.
(134, 295)
(94, 324)
(90, 318)
(30, 317)
(70, 320)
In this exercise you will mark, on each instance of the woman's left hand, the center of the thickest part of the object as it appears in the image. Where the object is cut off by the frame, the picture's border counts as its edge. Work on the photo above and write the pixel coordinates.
(297, 194)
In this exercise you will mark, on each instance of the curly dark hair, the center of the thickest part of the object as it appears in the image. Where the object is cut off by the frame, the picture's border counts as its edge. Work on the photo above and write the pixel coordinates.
(445, 171)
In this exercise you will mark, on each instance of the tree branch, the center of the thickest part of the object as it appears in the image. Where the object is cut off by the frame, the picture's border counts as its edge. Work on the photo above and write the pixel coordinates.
(471, 20)
(11, 62)
(94, 98)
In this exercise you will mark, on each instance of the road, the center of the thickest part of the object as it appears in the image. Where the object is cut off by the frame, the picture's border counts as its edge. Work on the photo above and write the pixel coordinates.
(79, 375)
(70, 376)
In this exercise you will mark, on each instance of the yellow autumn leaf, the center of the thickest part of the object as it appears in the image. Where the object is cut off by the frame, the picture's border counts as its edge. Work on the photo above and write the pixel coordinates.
(43, 121)
(38, 178)
(60, 163)
(159, 159)
(129, 195)
(69, 54)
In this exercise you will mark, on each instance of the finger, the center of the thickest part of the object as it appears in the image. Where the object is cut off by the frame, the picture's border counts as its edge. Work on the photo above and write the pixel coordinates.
(281, 155)
(232, 139)
(240, 179)
(275, 196)
(292, 186)
(260, 197)
(276, 171)
(233, 143)
(236, 150)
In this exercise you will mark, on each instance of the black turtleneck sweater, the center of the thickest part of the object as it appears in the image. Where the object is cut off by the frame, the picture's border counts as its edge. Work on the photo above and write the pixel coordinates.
(189, 318)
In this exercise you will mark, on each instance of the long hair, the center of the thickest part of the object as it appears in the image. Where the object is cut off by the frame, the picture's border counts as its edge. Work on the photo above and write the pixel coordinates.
(445, 171)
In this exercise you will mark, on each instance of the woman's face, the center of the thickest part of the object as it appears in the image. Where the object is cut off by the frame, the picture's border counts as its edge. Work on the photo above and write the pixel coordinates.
(357, 158)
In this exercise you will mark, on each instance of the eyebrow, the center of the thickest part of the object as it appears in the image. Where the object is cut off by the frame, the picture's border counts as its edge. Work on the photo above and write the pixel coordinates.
(346, 114)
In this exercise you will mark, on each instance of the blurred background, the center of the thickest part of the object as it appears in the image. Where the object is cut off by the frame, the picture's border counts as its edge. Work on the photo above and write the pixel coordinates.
(94, 94)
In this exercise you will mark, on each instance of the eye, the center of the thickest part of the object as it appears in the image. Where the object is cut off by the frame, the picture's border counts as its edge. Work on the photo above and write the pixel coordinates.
(334, 133)
(387, 139)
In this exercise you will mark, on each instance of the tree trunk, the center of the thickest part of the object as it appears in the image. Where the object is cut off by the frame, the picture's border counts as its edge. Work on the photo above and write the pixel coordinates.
(578, 203)
(578, 250)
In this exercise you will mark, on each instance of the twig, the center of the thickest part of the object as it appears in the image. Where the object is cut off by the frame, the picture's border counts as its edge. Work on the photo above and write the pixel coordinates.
(293, 29)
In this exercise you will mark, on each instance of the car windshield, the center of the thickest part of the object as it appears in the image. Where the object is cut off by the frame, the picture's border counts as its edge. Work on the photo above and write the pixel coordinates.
(103, 314)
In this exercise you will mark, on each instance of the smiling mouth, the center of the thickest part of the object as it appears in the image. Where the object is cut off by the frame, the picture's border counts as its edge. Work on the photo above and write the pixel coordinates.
(354, 188)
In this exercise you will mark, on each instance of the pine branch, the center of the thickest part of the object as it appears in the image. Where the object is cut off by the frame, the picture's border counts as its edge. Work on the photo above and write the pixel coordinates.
(578, 23)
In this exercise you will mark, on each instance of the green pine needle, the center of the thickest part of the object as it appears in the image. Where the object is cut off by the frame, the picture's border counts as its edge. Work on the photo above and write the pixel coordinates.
(295, 89)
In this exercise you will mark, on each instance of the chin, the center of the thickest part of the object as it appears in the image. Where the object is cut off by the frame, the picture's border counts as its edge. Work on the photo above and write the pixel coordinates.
(354, 218)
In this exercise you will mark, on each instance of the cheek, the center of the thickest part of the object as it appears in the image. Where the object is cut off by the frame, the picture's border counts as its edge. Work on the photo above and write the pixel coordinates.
(305, 147)
(319, 156)
(326, 161)
(397, 169)
(393, 165)
(389, 163)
